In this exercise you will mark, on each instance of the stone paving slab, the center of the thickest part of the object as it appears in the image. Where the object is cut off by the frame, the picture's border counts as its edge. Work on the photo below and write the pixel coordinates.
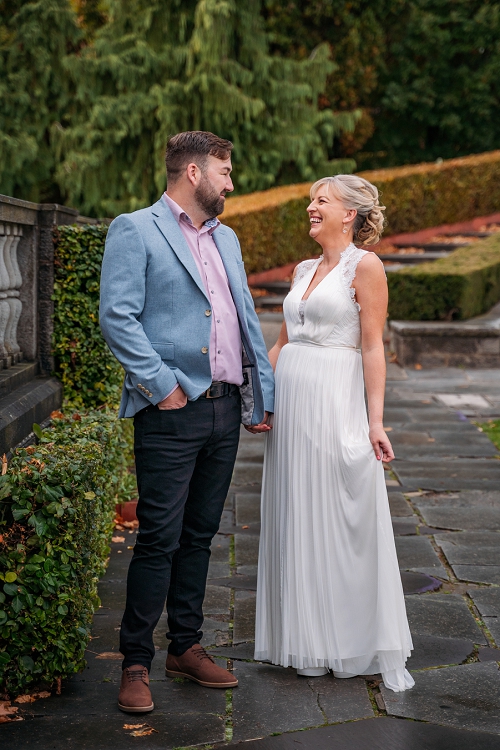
(467, 696)
(443, 615)
(246, 549)
(493, 625)
(289, 702)
(434, 651)
(478, 573)
(471, 554)
(244, 616)
(382, 733)
(487, 601)
(399, 505)
(417, 553)
(247, 508)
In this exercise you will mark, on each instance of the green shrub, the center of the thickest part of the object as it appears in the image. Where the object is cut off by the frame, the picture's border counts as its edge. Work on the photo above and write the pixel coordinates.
(56, 511)
(273, 228)
(465, 284)
(90, 374)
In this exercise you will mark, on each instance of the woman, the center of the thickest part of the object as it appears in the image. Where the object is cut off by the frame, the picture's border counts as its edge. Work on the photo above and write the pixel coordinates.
(329, 591)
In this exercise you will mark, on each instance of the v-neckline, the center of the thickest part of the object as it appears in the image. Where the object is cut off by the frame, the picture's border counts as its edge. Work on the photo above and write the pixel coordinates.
(303, 298)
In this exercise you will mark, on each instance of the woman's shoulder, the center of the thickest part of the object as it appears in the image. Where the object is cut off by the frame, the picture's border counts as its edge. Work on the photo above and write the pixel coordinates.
(302, 268)
(369, 264)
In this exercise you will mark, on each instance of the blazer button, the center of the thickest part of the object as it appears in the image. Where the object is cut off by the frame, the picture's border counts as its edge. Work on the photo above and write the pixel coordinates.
(204, 350)
(208, 313)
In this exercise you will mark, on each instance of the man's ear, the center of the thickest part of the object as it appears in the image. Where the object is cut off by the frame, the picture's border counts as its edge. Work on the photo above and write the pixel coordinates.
(193, 173)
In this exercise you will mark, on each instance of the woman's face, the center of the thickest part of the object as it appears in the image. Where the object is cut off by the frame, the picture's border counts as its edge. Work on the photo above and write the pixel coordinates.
(328, 216)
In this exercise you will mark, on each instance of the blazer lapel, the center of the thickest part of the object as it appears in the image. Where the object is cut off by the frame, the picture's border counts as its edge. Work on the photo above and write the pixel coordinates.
(226, 252)
(170, 229)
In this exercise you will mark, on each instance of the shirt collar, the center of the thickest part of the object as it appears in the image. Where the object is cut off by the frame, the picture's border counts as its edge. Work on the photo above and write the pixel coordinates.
(179, 214)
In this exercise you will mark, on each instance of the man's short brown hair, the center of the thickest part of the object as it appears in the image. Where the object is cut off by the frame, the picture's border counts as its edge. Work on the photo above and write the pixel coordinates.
(193, 146)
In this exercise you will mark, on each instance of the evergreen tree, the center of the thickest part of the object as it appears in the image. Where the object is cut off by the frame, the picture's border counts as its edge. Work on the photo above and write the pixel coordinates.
(439, 92)
(425, 73)
(156, 69)
(35, 37)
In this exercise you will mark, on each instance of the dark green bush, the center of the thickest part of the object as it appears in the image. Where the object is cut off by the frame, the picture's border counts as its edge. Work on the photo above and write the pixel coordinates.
(465, 284)
(57, 504)
(90, 374)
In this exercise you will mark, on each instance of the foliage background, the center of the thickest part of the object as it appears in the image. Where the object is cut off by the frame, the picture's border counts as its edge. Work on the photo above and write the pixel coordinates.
(90, 89)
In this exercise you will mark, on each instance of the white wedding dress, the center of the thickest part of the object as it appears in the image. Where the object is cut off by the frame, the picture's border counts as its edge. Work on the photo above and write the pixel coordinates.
(329, 591)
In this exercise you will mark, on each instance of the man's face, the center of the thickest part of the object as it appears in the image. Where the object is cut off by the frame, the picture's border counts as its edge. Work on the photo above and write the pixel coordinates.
(210, 194)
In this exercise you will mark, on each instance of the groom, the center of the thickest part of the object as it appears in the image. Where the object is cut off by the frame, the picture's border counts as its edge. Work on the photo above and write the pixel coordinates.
(177, 313)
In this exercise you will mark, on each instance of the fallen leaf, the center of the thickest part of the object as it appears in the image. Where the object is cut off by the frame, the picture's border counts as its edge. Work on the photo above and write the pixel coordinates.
(56, 414)
(418, 367)
(58, 684)
(114, 655)
(133, 726)
(118, 539)
(129, 547)
(131, 524)
(388, 429)
(244, 527)
(8, 712)
(431, 440)
(119, 551)
(143, 732)
(33, 697)
(4, 464)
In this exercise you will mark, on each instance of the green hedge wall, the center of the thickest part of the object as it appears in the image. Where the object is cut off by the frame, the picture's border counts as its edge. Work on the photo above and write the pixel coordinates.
(57, 504)
(273, 227)
(465, 284)
(90, 374)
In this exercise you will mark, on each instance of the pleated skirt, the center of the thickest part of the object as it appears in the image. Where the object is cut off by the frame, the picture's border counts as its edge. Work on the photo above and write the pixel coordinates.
(329, 589)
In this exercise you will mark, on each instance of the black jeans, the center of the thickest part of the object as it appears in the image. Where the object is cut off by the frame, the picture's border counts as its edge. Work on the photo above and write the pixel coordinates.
(185, 459)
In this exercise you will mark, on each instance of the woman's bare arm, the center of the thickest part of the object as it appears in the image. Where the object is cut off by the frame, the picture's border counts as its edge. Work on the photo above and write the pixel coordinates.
(372, 296)
(274, 353)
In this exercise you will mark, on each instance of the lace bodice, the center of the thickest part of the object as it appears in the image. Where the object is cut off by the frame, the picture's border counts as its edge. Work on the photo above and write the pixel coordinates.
(330, 315)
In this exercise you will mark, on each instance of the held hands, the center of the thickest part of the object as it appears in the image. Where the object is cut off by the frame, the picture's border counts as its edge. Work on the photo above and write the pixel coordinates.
(381, 444)
(263, 426)
(176, 400)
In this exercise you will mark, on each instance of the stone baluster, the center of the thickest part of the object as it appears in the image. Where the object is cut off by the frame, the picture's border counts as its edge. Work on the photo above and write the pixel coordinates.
(10, 304)
(13, 300)
(4, 305)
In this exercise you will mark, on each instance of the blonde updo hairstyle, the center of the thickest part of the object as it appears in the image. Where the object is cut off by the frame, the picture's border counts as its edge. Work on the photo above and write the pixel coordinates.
(357, 193)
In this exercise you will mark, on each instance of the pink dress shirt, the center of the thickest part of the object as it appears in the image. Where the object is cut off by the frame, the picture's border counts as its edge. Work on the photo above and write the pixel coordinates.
(225, 337)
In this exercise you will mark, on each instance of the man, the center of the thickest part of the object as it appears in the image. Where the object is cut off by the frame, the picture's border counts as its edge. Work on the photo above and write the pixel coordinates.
(177, 313)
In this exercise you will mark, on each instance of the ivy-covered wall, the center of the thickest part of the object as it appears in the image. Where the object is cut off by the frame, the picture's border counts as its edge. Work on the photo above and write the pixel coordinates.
(90, 374)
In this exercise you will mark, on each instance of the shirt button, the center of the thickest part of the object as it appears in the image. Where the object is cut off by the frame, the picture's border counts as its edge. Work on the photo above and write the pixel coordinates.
(204, 350)
(218, 351)
(218, 321)
(211, 291)
(208, 313)
(205, 262)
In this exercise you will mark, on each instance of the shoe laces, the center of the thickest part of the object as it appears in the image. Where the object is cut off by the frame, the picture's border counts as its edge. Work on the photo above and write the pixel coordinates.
(134, 675)
(202, 654)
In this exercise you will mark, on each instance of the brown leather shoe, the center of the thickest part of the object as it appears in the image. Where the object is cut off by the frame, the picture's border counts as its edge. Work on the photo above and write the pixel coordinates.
(195, 664)
(135, 695)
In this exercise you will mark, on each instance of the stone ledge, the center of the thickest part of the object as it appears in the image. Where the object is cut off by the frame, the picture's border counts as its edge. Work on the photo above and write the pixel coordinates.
(32, 402)
(468, 343)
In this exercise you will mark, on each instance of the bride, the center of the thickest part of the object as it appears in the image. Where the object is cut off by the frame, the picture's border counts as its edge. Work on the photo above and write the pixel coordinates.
(329, 592)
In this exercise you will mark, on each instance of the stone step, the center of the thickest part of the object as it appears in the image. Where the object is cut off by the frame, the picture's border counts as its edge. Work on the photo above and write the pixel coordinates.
(16, 376)
(414, 258)
(32, 401)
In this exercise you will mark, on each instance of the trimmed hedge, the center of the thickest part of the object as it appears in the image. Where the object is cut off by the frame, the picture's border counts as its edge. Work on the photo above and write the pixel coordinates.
(465, 284)
(273, 229)
(57, 504)
(90, 374)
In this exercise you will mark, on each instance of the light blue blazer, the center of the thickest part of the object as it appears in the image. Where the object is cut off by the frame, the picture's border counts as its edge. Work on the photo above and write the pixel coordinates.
(154, 313)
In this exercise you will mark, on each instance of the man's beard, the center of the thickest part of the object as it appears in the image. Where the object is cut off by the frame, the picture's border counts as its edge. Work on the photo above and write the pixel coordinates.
(208, 199)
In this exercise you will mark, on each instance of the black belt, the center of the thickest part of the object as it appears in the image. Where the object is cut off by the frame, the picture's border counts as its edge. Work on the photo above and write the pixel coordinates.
(219, 389)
